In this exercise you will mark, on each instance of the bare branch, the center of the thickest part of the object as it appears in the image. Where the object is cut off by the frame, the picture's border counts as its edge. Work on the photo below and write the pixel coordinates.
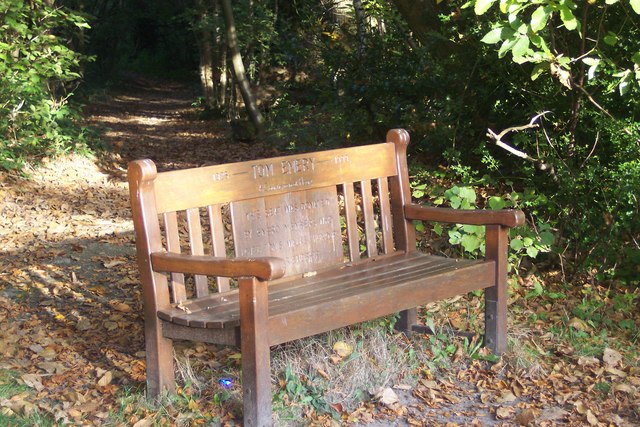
(540, 163)
(497, 138)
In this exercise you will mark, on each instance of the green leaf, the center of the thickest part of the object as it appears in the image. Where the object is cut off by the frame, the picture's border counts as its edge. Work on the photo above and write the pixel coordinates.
(516, 244)
(470, 243)
(590, 61)
(496, 202)
(624, 87)
(467, 193)
(455, 202)
(547, 238)
(611, 1)
(506, 47)
(568, 18)
(478, 230)
(635, 4)
(539, 18)
(493, 36)
(532, 251)
(538, 69)
(482, 6)
(521, 47)
(437, 228)
(611, 38)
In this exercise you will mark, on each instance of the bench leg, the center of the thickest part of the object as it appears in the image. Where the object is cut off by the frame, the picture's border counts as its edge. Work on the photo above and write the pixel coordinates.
(159, 351)
(496, 296)
(407, 320)
(256, 366)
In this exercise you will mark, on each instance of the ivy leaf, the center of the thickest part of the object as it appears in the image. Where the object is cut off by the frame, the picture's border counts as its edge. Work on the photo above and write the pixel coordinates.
(482, 6)
(516, 244)
(539, 18)
(496, 202)
(467, 193)
(635, 4)
(470, 243)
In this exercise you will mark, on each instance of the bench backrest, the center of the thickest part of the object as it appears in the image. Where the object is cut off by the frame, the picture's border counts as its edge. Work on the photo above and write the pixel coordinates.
(315, 210)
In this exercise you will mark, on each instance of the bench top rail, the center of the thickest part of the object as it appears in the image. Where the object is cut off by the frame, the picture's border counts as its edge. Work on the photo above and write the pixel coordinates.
(199, 187)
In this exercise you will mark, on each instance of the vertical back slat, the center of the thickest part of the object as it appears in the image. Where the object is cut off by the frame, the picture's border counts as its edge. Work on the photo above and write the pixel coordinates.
(369, 220)
(385, 215)
(351, 220)
(197, 248)
(178, 292)
(217, 241)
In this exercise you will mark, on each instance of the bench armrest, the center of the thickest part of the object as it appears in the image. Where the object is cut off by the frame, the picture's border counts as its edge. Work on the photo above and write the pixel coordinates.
(505, 217)
(264, 268)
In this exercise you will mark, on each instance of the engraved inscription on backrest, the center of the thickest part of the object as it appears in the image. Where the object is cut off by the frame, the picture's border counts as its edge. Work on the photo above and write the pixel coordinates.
(302, 208)
(302, 227)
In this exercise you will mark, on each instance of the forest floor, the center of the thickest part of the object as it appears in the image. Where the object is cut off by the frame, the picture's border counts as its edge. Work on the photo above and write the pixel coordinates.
(71, 326)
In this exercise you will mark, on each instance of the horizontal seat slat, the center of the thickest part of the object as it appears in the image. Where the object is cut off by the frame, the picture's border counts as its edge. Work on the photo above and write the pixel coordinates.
(308, 294)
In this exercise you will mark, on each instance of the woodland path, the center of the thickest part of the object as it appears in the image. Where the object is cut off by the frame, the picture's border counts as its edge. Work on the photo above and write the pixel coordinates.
(71, 327)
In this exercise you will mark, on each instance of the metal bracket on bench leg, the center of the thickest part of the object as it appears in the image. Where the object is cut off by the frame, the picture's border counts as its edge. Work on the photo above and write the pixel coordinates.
(423, 329)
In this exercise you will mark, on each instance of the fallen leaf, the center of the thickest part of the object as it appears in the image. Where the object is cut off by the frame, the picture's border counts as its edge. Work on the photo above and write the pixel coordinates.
(504, 412)
(342, 349)
(111, 264)
(591, 419)
(580, 407)
(145, 422)
(616, 372)
(588, 361)
(579, 324)
(105, 380)
(525, 417)
(506, 397)
(624, 388)
(48, 353)
(387, 396)
(122, 307)
(83, 324)
(110, 326)
(33, 381)
(611, 357)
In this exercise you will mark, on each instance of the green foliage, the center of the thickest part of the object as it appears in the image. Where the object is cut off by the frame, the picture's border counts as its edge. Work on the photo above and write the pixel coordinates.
(524, 30)
(39, 70)
(301, 391)
(525, 241)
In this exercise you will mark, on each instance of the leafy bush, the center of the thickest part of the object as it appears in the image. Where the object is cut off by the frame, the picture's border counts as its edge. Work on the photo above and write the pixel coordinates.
(38, 70)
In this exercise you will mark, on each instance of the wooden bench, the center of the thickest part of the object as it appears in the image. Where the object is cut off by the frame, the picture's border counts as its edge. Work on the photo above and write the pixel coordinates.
(312, 242)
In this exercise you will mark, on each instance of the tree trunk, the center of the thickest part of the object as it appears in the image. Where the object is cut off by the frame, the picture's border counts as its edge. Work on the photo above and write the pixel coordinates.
(239, 71)
(206, 57)
(360, 26)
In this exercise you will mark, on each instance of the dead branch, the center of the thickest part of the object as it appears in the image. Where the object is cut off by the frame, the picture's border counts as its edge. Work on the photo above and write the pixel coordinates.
(541, 164)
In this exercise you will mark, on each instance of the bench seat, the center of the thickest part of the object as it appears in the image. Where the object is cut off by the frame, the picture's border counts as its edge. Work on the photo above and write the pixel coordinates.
(378, 286)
